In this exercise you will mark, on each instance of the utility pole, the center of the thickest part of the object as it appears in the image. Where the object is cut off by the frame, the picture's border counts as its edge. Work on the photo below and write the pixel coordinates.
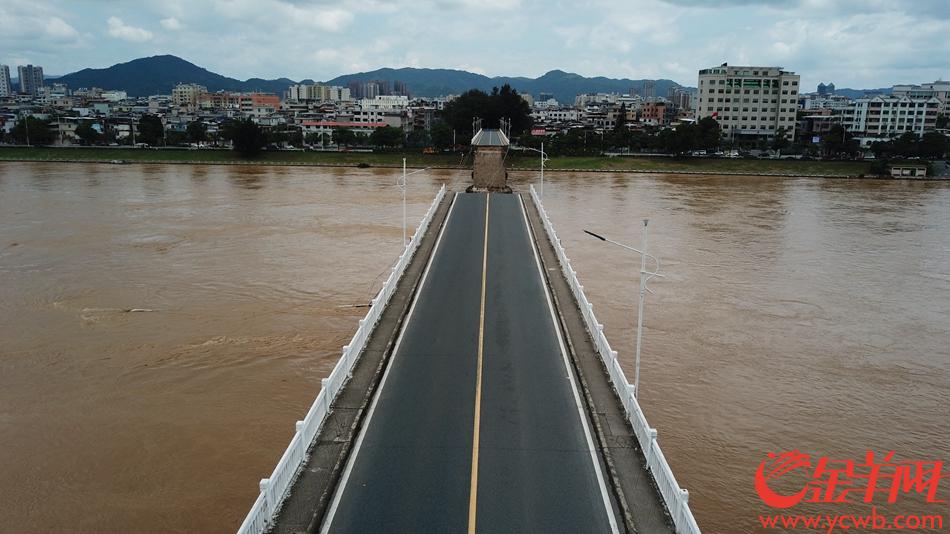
(643, 289)
(645, 276)
(405, 183)
(542, 169)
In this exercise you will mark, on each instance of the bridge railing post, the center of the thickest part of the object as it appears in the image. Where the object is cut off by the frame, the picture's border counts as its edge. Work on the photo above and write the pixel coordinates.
(268, 507)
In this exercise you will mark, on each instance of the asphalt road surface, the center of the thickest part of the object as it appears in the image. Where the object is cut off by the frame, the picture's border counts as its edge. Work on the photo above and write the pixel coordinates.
(476, 426)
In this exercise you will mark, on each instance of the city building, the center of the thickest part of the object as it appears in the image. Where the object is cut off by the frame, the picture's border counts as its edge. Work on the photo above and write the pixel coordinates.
(5, 88)
(400, 88)
(31, 79)
(939, 90)
(826, 101)
(649, 90)
(317, 93)
(657, 113)
(326, 128)
(188, 94)
(889, 116)
(680, 97)
(114, 96)
(826, 89)
(749, 102)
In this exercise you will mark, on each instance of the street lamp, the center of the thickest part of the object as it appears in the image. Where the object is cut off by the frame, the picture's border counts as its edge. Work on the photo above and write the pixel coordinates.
(401, 184)
(544, 157)
(645, 276)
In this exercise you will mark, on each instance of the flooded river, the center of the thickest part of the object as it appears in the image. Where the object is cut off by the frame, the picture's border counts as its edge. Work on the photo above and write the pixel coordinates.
(800, 314)
(163, 326)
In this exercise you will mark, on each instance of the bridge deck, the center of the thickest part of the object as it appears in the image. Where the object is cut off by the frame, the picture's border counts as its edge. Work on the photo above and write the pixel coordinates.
(482, 308)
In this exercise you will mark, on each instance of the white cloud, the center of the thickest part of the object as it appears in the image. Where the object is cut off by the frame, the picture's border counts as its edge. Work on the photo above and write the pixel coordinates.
(865, 43)
(171, 23)
(121, 30)
(58, 28)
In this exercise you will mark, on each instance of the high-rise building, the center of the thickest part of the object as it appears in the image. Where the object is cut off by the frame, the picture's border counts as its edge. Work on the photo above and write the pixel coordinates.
(317, 92)
(356, 89)
(384, 87)
(649, 89)
(369, 90)
(400, 88)
(749, 101)
(31, 79)
(826, 89)
(680, 97)
(5, 88)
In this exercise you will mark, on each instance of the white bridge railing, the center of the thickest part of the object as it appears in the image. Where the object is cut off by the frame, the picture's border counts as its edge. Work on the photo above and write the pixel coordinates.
(275, 488)
(675, 498)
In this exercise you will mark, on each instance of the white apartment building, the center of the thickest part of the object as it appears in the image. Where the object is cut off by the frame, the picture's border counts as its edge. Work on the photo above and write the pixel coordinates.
(114, 96)
(187, 94)
(5, 88)
(557, 115)
(326, 127)
(588, 99)
(817, 101)
(939, 90)
(385, 103)
(749, 101)
(889, 116)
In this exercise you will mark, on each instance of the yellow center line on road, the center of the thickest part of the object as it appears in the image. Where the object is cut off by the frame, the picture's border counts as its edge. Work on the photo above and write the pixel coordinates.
(473, 493)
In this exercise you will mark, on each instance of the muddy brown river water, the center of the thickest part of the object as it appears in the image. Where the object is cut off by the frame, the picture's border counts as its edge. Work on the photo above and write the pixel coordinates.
(163, 326)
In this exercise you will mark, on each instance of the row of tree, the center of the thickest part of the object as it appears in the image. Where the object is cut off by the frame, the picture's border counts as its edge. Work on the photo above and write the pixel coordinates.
(686, 137)
(931, 145)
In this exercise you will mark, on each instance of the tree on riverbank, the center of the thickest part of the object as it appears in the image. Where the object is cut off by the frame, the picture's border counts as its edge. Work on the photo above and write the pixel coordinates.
(386, 136)
(839, 142)
(247, 138)
(150, 130)
(343, 136)
(87, 134)
(197, 132)
(33, 131)
(931, 145)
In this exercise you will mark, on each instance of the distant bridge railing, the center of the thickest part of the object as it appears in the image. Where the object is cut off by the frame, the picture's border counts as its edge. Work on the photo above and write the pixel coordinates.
(275, 488)
(675, 498)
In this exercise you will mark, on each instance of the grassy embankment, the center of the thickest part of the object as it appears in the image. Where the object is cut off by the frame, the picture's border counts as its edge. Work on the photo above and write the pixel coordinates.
(416, 159)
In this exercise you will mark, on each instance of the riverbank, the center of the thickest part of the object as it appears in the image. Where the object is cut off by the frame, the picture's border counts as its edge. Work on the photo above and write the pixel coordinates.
(450, 161)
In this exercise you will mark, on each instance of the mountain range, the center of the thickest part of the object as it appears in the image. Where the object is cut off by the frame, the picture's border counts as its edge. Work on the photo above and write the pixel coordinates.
(159, 74)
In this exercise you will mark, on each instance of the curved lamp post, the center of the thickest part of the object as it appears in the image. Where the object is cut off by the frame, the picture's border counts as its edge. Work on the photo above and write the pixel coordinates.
(645, 276)
(401, 184)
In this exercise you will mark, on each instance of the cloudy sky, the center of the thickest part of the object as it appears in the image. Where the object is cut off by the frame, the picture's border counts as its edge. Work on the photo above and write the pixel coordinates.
(854, 43)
